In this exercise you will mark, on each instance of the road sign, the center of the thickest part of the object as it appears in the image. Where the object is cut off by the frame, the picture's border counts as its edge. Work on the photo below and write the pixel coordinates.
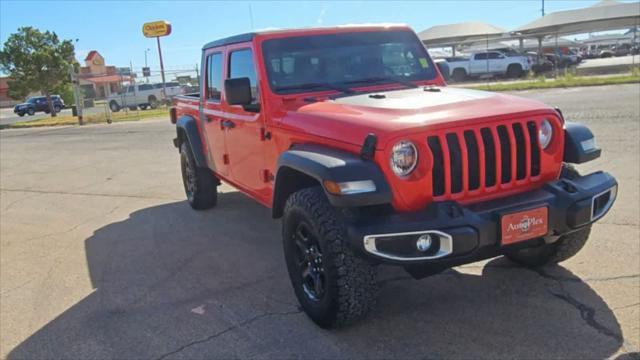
(146, 72)
(156, 28)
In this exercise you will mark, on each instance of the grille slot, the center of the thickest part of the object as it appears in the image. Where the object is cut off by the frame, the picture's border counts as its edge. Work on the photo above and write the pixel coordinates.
(474, 159)
(489, 157)
(505, 153)
(468, 160)
(535, 149)
(437, 173)
(521, 151)
(455, 163)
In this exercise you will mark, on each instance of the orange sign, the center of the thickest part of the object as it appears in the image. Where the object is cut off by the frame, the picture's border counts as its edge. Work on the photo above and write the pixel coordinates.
(156, 28)
(524, 225)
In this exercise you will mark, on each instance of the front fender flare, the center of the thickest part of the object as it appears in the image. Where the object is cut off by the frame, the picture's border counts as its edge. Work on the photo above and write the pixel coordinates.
(322, 163)
(579, 144)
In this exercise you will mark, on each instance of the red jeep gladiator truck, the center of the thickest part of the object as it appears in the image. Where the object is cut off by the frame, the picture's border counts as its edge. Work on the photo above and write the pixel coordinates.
(351, 136)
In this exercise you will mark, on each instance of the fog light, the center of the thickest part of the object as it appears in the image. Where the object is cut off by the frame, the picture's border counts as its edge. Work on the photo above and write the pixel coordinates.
(424, 243)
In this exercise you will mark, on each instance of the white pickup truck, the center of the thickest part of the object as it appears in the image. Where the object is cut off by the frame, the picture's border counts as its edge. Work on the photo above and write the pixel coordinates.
(488, 63)
(143, 96)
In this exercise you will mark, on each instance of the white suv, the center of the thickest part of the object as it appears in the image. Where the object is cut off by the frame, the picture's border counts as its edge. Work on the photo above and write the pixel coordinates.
(143, 96)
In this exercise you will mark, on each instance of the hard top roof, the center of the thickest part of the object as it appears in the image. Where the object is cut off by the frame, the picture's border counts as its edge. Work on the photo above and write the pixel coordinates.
(246, 37)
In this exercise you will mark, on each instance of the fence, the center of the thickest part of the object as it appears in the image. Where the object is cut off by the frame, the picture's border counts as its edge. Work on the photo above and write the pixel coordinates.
(129, 95)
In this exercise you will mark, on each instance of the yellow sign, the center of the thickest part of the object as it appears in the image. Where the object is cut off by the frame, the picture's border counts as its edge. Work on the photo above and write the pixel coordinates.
(156, 28)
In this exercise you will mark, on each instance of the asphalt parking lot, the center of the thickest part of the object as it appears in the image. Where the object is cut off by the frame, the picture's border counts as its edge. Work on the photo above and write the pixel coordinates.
(103, 258)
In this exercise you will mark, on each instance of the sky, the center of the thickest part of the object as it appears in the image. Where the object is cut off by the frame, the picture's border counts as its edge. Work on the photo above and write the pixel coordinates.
(115, 28)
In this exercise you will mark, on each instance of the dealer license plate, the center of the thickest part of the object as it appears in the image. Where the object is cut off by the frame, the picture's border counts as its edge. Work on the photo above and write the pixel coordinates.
(524, 225)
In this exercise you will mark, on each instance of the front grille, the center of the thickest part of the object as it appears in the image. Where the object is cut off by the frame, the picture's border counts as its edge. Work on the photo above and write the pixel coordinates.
(470, 160)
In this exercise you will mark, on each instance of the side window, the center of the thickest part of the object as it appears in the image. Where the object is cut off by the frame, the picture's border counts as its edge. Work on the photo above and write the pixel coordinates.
(241, 65)
(214, 76)
(144, 87)
(481, 56)
(130, 89)
(494, 55)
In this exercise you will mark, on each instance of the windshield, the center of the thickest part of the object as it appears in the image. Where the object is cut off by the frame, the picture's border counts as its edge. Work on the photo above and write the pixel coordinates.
(345, 59)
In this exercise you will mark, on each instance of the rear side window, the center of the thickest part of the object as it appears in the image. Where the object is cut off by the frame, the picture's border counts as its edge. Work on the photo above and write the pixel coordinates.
(494, 55)
(214, 76)
(482, 56)
(241, 65)
(144, 87)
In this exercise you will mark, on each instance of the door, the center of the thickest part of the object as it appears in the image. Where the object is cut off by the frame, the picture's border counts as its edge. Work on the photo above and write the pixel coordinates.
(244, 129)
(497, 63)
(144, 90)
(478, 64)
(211, 111)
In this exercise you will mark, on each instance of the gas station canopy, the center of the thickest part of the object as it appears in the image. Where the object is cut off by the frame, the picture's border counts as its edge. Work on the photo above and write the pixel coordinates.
(452, 34)
(605, 15)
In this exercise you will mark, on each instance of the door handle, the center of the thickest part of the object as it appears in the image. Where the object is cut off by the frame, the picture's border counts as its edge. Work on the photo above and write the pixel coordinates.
(228, 124)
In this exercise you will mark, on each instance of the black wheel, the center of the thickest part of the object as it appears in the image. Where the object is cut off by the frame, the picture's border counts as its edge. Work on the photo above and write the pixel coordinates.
(564, 248)
(153, 102)
(31, 111)
(133, 108)
(21, 114)
(57, 108)
(113, 105)
(333, 286)
(143, 107)
(459, 75)
(200, 185)
(514, 71)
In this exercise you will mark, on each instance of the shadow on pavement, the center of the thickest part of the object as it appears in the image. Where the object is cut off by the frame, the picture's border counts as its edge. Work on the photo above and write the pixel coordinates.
(170, 282)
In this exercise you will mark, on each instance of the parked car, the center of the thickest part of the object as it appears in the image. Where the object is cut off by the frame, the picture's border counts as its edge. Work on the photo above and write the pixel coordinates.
(143, 96)
(489, 63)
(353, 139)
(39, 104)
(622, 50)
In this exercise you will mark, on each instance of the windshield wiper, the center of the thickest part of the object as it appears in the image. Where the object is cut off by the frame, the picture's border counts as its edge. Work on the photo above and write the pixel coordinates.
(380, 79)
(309, 86)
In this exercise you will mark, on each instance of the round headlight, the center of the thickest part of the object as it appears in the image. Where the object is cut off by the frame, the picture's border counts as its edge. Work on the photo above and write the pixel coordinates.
(545, 133)
(404, 157)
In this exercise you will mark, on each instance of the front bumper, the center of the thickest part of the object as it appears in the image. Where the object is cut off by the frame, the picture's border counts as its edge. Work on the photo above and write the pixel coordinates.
(463, 234)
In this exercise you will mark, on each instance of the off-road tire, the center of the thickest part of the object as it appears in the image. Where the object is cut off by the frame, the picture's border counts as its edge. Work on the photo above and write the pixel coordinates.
(514, 71)
(350, 288)
(564, 248)
(459, 75)
(31, 112)
(57, 109)
(113, 105)
(153, 102)
(21, 114)
(202, 189)
(143, 107)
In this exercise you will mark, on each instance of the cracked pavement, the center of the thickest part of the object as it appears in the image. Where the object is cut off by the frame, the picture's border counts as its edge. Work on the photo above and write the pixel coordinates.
(101, 257)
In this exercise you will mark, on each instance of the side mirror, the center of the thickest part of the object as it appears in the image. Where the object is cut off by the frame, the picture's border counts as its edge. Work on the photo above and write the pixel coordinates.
(237, 91)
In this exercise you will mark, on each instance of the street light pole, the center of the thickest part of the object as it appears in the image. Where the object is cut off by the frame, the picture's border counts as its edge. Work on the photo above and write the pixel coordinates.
(145, 62)
(164, 89)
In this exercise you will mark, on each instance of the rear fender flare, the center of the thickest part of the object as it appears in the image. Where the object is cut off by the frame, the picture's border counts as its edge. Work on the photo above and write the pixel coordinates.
(187, 131)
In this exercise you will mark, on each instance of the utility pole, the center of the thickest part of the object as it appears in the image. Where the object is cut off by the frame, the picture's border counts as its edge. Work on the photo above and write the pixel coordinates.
(76, 92)
(197, 74)
(542, 8)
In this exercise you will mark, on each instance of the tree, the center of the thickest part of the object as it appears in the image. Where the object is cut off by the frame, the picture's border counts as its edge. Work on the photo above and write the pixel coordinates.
(36, 61)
